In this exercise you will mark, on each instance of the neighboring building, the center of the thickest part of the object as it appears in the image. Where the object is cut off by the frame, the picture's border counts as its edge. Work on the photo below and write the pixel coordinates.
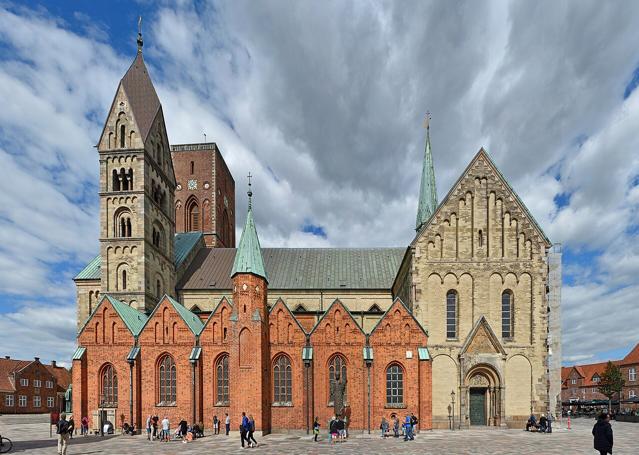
(30, 387)
(579, 385)
(196, 330)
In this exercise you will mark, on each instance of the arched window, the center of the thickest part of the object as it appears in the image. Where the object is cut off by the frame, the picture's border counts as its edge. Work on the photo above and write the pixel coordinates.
(158, 288)
(116, 181)
(192, 167)
(451, 314)
(222, 381)
(394, 385)
(122, 222)
(507, 330)
(109, 386)
(166, 381)
(124, 181)
(192, 215)
(122, 135)
(337, 366)
(480, 238)
(282, 380)
(123, 280)
(130, 177)
(226, 230)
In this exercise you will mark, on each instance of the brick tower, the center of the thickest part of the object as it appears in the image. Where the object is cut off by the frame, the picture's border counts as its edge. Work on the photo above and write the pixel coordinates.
(249, 344)
(137, 184)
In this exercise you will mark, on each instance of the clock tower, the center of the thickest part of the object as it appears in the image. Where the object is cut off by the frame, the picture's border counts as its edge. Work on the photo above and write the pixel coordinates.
(137, 184)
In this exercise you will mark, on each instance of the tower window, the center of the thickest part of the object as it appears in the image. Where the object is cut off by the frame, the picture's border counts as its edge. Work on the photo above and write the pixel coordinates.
(122, 135)
(507, 314)
(480, 239)
(116, 181)
(192, 167)
(123, 279)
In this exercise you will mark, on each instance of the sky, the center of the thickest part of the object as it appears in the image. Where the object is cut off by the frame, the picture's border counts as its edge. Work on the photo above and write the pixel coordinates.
(324, 102)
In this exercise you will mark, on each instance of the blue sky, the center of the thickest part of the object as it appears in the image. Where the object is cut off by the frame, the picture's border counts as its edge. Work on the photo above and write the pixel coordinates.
(323, 103)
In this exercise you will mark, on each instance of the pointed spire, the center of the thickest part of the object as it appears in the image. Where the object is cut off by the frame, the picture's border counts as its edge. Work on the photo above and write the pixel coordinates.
(248, 257)
(140, 42)
(427, 189)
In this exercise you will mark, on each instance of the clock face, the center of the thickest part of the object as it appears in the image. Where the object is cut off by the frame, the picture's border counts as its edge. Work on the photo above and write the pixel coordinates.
(192, 184)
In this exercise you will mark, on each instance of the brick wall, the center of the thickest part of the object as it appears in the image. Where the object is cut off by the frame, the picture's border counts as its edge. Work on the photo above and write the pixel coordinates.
(32, 372)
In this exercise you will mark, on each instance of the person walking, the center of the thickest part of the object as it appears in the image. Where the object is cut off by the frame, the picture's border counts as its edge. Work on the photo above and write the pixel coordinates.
(71, 426)
(251, 429)
(62, 430)
(602, 432)
(148, 427)
(216, 425)
(184, 428)
(408, 430)
(550, 419)
(227, 422)
(384, 427)
(166, 430)
(84, 426)
(244, 425)
(316, 428)
(413, 424)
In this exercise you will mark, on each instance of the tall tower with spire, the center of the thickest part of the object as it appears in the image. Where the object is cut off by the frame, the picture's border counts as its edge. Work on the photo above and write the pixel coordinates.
(427, 189)
(249, 343)
(137, 185)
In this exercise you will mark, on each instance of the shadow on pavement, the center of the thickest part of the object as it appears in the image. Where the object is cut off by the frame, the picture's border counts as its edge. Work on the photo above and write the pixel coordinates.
(21, 446)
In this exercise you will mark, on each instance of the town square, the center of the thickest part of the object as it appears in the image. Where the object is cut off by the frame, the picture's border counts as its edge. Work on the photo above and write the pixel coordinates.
(304, 227)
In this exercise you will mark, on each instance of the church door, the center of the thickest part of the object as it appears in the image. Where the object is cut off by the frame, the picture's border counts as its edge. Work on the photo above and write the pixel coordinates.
(477, 406)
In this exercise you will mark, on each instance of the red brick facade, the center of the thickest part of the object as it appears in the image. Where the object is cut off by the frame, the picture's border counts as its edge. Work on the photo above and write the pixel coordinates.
(29, 386)
(253, 339)
(205, 193)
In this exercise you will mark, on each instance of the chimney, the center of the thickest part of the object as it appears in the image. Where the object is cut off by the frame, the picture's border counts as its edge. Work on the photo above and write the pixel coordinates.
(37, 359)
(53, 363)
(7, 357)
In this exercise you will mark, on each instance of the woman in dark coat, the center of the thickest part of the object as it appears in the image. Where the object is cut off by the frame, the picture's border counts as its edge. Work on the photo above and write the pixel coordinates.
(602, 431)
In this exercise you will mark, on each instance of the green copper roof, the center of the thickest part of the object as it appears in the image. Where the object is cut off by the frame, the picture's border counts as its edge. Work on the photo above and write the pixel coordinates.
(248, 258)
(132, 318)
(427, 189)
(183, 243)
(195, 323)
(91, 271)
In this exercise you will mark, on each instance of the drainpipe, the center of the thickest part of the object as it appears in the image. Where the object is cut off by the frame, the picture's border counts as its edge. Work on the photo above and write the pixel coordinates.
(369, 361)
(131, 362)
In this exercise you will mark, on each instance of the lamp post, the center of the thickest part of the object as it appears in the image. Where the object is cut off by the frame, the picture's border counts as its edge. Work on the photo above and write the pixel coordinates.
(450, 422)
(101, 413)
(452, 399)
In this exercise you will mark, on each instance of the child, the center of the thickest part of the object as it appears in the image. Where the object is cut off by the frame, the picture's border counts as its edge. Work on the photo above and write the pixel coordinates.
(216, 425)
(316, 428)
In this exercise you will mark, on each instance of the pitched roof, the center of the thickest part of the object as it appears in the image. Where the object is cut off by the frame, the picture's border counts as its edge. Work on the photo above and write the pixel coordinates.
(632, 357)
(132, 318)
(427, 188)
(193, 322)
(399, 302)
(61, 374)
(143, 99)
(183, 243)
(248, 258)
(8, 366)
(301, 268)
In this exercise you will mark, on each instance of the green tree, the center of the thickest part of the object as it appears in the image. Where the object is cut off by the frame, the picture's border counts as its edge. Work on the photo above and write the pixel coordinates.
(611, 383)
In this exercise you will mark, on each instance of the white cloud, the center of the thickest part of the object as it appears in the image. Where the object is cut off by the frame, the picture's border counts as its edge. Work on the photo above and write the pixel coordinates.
(323, 103)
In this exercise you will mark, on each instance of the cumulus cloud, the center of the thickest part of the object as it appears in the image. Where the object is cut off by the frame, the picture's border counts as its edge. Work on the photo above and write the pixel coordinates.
(323, 103)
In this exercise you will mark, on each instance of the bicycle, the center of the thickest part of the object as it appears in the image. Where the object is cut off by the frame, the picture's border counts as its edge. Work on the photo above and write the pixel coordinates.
(5, 445)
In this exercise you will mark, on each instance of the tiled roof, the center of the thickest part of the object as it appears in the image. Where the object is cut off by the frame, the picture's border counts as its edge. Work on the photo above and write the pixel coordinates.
(632, 357)
(141, 94)
(8, 366)
(301, 268)
(183, 243)
(62, 375)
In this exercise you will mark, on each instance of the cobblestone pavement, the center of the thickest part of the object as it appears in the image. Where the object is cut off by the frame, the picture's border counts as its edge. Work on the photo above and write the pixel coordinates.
(33, 438)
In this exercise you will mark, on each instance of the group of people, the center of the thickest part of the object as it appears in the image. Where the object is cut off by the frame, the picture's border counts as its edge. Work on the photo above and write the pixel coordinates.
(337, 429)
(247, 428)
(183, 431)
(394, 425)
(543, 426)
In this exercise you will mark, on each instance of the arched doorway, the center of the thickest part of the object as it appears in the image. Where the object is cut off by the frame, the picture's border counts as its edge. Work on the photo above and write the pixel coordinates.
(484, 391)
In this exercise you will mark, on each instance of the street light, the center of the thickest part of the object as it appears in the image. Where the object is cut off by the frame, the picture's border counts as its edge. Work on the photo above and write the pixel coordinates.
(452, 399)
(450, 422)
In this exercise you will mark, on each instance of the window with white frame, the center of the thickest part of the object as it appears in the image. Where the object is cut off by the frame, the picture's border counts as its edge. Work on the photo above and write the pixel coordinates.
(24, 382)
(595, 379)
(632, 394)
(22, 401)
(49, 384)
(573, 381)
(37, 383)
(8, 401)
(37, 401)
(632, 374)
(50, 402)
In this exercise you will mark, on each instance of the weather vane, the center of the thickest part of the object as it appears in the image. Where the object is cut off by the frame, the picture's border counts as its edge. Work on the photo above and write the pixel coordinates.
(427, 121)
(140, 42)
(250, 192)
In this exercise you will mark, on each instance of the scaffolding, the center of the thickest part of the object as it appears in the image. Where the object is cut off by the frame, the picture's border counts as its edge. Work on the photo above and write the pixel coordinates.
(554, 329)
